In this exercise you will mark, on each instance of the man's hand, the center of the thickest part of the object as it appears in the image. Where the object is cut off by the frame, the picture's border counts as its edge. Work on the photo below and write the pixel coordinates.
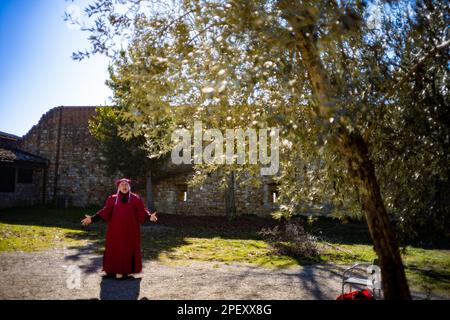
(153, 216)
(86, 221)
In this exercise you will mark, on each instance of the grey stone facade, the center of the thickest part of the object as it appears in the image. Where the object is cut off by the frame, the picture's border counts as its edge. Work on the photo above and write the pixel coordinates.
(25, 194)
(174, 195)
(74, 176)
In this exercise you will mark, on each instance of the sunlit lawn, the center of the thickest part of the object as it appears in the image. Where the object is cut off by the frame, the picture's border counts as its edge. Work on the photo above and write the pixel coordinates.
(33, 238)
(40, 229)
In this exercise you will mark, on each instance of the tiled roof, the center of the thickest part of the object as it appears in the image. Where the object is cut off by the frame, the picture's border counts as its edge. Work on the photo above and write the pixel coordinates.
(8, 136)
(15, 155)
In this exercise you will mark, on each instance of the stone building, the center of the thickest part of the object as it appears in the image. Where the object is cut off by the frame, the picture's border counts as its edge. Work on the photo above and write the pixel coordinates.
(73, 175)
(173, 195)
(22, 174)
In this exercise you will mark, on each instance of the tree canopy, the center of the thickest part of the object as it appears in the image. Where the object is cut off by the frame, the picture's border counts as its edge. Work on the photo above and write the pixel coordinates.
(359, 90)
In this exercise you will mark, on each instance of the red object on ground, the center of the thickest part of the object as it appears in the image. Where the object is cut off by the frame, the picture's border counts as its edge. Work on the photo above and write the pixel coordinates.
(357, 295)
(123, 237)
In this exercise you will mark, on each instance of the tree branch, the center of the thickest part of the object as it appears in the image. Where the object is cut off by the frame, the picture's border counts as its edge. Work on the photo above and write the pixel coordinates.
(411, 71)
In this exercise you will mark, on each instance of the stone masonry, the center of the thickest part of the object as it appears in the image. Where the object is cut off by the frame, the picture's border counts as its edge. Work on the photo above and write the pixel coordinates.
(76, 178)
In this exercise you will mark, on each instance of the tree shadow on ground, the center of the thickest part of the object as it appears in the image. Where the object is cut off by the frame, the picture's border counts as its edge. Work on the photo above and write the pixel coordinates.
(315, 281)
(168, 234)
(171, 232)
(336, 231)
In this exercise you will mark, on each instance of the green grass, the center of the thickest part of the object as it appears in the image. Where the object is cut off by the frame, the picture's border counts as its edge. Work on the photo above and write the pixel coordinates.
(427, 270)
(39, 229)
(339, 243)
(227, 250)
(35, 238)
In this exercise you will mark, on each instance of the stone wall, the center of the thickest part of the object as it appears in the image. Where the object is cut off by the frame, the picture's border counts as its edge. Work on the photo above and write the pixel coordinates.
(209, 199)
(205, 200)
(255, 200)
(75, 177)
(25, 194)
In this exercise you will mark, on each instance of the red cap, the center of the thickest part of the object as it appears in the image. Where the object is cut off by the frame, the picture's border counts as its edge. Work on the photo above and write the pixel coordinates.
(122, 180)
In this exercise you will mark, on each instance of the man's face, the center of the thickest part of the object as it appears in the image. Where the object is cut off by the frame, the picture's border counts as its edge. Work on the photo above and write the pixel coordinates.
(124, 187)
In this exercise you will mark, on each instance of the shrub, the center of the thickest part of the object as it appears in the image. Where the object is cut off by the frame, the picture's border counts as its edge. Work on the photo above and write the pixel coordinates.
(292, 239)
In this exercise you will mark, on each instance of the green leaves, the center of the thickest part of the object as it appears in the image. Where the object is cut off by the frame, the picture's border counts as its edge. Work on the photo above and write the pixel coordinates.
(238, 64)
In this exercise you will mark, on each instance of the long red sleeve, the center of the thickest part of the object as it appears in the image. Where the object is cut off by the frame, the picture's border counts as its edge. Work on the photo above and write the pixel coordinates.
(106, 212)
(141, 211)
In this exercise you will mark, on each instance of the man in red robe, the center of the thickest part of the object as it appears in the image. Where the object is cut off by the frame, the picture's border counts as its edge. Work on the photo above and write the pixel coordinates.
(124, 212)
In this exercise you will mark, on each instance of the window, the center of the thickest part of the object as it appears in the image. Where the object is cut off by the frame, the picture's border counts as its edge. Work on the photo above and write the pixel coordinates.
(273, 193)
(182, 192)
(25, 175)
(274, 196)
(8, 179)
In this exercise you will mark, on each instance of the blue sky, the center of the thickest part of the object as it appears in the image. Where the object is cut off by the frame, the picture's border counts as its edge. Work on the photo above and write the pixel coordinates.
(36, 69)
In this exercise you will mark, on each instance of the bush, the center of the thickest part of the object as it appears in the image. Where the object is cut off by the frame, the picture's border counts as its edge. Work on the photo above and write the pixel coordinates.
(292, 239)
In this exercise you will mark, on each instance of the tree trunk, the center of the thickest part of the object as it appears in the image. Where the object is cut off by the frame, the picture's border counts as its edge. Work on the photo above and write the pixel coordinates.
(230, 204)
(362, 171)
(354, 149)
(149, 189)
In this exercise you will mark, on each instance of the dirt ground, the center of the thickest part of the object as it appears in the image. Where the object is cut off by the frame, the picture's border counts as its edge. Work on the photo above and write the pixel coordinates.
(49, 275)
(52, 274)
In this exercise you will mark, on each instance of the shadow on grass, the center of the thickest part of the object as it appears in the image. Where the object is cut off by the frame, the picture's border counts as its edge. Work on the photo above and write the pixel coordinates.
(336, 231)
(171, 231)
(165, 236)
(431, 274)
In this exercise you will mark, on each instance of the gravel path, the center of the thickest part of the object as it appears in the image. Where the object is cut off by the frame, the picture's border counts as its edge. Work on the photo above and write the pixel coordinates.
(48, 275)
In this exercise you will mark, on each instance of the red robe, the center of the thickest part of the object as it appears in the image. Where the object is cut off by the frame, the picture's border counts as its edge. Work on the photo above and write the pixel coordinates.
(123, 237)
